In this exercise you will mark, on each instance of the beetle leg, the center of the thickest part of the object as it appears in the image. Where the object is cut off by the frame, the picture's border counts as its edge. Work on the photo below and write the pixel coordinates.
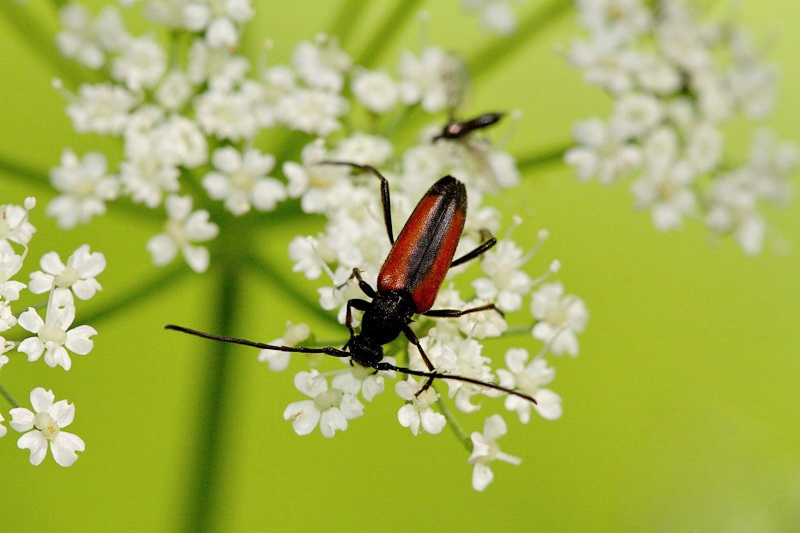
(365, 287)
(385, 198)
(488, 242)
(411, 336)
(455, 313)
(361, 305)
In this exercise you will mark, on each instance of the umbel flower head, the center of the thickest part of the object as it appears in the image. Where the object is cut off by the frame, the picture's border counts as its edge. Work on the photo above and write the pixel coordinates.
(190, 132)
(676, 81)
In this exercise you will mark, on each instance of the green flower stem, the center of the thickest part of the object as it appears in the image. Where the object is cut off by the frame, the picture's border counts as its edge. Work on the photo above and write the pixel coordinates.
(542, 158)
(215, 390)
(453, 424)
(385, 33)
(58, 4)
(498, 50)
(31, 176)
(10, 399)
(349, 11)
(41, 41)
(278, 279)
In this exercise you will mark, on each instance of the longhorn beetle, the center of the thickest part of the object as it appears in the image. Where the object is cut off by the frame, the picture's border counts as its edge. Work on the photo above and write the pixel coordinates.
(408, 283)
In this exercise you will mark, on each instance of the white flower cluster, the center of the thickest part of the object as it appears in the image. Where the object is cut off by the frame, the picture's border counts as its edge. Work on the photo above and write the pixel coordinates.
(675, 82)
(191, 122)
(355, 237)
(190, 117)
(497, 16)
(54, 337)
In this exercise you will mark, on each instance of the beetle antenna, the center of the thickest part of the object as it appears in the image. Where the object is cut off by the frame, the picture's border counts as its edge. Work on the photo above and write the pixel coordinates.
(439, 375)
(335, 352)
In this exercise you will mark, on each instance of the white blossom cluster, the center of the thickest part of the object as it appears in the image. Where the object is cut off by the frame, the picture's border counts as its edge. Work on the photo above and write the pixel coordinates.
(355, 237)
(189, 118)
(190, 113)
(676, 81)
(53, 337)
(497, 16)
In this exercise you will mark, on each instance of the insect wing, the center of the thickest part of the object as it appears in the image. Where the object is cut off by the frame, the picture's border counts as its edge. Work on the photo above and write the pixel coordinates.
(421, 256)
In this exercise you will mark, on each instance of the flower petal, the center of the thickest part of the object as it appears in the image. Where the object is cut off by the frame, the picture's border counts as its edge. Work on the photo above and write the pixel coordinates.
(21, 419)
(32, 346)
(78, 339)
(64, 447)
(482, 475)
(42, 400)
(36, 443)
(331, 420)
(304, 416)
(63, 413)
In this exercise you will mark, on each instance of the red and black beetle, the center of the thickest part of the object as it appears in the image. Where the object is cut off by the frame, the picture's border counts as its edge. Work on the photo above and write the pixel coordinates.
(408, 282)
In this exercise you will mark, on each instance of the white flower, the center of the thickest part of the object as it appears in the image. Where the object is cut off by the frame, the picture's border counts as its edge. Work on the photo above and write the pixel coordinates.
(732, 209)
(46, 426)
(434, 79)
(363, 379)
(227, 115)
(87, 40)
(101, 108)
(485, 450)
(331, 408)
(303, 254)
(605, 64)
(312, 111)
(496, 15)
(669, 193)
(560, 318)
(363, 149)
(218, 19)
(376, 90)
(241, 179)
(605, 154)
(277, 360)
(85, 185)
(322, 64)
(148, 172)
(617, 20)
(529, 379)
(183, 228)
(506, 284)
(53, 334)
(657, 75)
(182, 142)
(418, 412)
(14, 224)
(220, 67)
(141, 63)
(319, 185)
(7, 318)
(174, 90)
(10, 264)
(635, 114)
(78, 274)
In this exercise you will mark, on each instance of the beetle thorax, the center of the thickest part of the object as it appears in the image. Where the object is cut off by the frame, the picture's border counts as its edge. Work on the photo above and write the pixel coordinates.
(386, 317)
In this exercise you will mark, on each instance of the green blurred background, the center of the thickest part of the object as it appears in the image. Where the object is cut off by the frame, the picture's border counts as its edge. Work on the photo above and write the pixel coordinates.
(681, 413)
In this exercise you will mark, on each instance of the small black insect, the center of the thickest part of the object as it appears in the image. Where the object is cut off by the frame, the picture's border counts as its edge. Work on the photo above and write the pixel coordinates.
(455, 129)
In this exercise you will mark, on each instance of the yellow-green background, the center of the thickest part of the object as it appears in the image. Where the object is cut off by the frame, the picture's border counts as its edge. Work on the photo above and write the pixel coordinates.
(681, 413)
